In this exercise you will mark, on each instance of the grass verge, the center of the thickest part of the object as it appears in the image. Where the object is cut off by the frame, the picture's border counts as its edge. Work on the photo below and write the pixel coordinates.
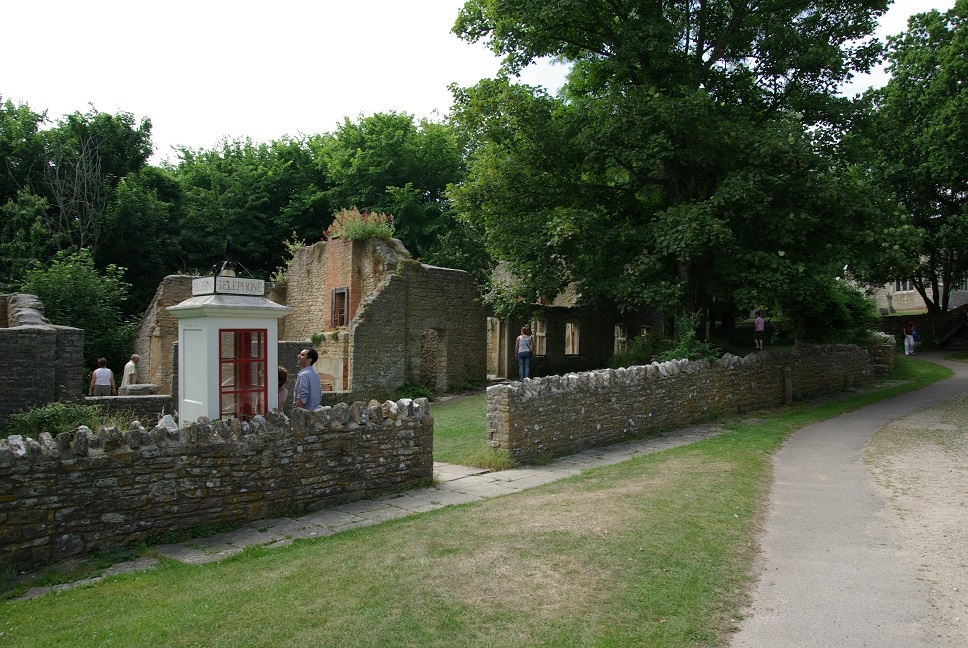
(655, 551)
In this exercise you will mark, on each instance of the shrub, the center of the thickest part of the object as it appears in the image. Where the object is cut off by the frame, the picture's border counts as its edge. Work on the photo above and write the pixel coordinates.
(53, 418)
(640, 351)
(353, 225)
(685, 345)
(412, 391)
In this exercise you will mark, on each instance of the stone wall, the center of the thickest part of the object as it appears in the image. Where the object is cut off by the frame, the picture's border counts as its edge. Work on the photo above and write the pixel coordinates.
(146, 409)
(391, 331)
(158, 332)
(42, 363)
(559, 415)
(77, 493)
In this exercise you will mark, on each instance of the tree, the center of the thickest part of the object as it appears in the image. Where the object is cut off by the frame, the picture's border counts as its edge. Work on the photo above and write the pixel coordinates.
(256, 195)
(141, 222)
(75, 294)
(21, 148)
(683, 163)
(389, 163)
(918, 136)
(87, 155)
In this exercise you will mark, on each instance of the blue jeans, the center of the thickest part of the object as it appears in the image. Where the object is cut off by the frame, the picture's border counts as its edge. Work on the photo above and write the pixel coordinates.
(524, 365)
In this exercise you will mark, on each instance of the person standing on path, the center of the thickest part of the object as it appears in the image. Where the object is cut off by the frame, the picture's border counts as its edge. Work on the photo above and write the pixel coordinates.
(130, 374)
(524, 348)
(909, 338)
(759, 329)
(102, 380)
(308, 390)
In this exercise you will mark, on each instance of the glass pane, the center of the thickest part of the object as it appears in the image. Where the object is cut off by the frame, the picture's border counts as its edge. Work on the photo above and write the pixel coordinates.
(227, 379)
(228, 406)
(226, 344)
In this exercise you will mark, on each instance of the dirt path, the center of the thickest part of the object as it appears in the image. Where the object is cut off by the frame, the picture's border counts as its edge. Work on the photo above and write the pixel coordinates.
(921, 463)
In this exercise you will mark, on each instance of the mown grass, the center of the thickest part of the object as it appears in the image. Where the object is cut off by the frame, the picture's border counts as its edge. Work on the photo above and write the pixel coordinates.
(656, 551)
(460, 434)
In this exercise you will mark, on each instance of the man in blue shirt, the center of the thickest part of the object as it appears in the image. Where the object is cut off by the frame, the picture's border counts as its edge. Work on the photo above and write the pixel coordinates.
(308, 390)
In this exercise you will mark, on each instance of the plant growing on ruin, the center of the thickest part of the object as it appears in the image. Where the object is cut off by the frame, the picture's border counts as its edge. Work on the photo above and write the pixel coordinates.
(292, 244)
(354, 225)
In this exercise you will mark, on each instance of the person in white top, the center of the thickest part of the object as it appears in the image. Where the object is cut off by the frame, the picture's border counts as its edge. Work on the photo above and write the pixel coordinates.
(130, 375)
(524, 347)
(102, 380)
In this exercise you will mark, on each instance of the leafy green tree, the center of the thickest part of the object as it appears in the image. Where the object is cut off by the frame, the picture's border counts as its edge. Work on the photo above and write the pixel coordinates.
(918, 135)
(87, 155)
(75, 294)
(256, 195)
(390, 163)
(24, 237)
(142, 224)
(684, 164)
(21, 148)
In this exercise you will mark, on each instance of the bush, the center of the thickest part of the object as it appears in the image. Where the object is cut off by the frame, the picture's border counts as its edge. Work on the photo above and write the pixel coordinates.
(641, 350)
(412, 391)
(686, 346)
(353, 225)
(832, 311)
(53, 418)
(75, 294)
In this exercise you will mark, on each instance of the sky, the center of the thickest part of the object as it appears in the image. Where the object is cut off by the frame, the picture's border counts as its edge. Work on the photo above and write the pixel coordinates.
(205, 70)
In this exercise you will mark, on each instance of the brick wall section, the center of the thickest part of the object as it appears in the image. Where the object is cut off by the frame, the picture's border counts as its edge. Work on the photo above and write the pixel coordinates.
(558, 415)
(71, 495)
(42, 363)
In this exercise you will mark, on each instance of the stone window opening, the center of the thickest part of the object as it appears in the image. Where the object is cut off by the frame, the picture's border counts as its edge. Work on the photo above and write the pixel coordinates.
(621, 338)
(571, 338)
(340, 307)
(539, 329)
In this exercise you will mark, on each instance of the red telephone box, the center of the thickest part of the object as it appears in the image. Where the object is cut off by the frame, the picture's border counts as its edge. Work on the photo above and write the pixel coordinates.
(243, 390)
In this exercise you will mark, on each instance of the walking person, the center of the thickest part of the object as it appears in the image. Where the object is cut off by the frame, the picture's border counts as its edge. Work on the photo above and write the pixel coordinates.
(102, 380)
(524, 347)
(130, 374)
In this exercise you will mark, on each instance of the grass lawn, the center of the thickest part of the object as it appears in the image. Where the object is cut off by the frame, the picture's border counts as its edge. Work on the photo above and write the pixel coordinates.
(655, 551)
(460, 434)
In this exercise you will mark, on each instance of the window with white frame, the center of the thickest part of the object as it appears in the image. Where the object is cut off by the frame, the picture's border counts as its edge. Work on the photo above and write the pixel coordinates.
(539, 328)
(621, 337)
(571, 338)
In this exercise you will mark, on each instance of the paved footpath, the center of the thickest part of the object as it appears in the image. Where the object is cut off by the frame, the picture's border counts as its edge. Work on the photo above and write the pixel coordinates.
(832, 575)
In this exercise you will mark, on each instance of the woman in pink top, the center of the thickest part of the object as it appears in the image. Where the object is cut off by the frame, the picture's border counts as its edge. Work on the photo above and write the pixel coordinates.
(759, 327)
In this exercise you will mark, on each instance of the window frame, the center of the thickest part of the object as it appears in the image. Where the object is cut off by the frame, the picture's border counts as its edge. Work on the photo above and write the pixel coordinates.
(243, 390)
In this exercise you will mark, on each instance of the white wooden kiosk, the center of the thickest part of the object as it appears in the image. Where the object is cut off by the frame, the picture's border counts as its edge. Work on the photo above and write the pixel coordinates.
(228, 349)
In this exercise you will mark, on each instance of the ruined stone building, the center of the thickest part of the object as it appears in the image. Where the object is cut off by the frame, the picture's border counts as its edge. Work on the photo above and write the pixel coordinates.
(377, 318)
(380, 319)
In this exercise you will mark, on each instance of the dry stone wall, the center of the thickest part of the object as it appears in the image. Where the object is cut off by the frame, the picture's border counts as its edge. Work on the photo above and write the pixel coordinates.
(78, 492)
(558, 415)
(42, 363)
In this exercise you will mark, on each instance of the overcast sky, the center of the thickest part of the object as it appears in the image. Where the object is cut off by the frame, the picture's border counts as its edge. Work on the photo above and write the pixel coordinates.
(202, 70)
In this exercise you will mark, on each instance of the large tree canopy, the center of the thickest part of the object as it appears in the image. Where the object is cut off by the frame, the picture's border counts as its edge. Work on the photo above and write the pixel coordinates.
(682, 165)
(918, 134)
(392, 163)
